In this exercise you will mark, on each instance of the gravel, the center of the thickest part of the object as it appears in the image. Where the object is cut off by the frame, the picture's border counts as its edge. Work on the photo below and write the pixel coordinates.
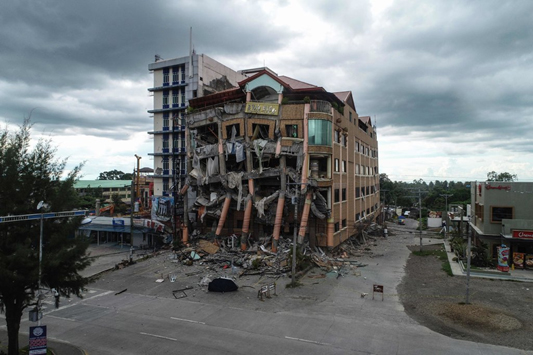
(499, 312)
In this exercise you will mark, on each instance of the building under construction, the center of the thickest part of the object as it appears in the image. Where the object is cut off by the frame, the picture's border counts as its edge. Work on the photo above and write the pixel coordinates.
(274, 154)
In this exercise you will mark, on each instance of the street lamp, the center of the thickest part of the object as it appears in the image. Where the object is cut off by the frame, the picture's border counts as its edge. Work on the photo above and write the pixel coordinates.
(41, 206)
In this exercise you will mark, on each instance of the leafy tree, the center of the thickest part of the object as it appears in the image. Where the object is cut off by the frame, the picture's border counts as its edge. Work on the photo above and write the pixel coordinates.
(508, 177)
(28, 176)
(115, 175)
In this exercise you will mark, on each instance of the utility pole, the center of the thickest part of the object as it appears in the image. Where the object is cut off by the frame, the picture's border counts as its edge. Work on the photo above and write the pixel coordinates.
(446, 221)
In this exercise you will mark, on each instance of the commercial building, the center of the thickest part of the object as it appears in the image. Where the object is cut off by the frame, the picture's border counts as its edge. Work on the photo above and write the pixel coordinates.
(502, 216)
(274, 154)
(176, 81)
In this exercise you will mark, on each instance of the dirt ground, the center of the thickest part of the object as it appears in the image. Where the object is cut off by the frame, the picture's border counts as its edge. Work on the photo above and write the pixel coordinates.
(500, 312)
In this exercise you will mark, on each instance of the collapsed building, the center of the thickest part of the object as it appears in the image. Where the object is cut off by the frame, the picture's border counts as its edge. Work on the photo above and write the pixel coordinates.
(276, 156)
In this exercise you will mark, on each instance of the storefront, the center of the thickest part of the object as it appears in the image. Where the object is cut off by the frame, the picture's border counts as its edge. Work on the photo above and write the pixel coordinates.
(521, 248)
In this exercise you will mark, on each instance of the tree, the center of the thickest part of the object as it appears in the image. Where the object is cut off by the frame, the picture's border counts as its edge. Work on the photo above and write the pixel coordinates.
(115, 175)
(508, 177)
(27, 176)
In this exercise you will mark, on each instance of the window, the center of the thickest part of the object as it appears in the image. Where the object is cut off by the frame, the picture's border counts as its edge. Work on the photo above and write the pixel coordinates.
(176, 142)
(175, 75)
(175, 97)
(479, 211)
(165, 164)
(368, 190)
(183, 75)
(165, 143)
(183, 96)
(165, 76)
(357, 192)
(357, 216)
(319, 132)
(344, 166)
(239, 223)
(356, 169)
(336, 165)
(165, 120)
(345, 140)
(344, 223)
(350, 117)
(261, 131)
(165, 98)
(337, 197)
(165, 186)
(337, 227)
(344, 194)
(500, 213)
(357, 147)
(291, 130)
(230, 128)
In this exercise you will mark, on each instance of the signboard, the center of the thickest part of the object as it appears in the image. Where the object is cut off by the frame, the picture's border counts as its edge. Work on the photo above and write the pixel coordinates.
(377, 289)
(503, 257)
(37, 340)
(523, 234)
(262, 108)
(162, 208)
(518, 260)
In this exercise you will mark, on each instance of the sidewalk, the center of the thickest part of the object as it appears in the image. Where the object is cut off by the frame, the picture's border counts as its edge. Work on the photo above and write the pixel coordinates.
(513, 275)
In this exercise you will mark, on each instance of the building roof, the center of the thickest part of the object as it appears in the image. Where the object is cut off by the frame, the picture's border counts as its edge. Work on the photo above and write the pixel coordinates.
(94, 184)
(366, 119)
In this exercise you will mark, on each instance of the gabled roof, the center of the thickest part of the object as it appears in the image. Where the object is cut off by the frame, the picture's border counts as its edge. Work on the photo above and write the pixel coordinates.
(366, 119)
(290, 85)
(347, 98)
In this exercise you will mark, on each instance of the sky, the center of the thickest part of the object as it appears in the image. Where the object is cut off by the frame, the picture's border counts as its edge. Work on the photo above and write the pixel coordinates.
(448, 84)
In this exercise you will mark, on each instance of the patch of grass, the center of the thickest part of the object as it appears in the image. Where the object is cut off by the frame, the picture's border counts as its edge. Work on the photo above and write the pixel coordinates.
(439, 253)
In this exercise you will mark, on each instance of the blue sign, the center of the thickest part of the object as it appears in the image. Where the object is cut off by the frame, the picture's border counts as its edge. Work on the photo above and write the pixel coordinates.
(38, 340)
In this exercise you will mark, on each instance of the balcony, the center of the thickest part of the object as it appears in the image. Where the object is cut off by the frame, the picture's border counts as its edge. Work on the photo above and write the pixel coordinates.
(319, 106)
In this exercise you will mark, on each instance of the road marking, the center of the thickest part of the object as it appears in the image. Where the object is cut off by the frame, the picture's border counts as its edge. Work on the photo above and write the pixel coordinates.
(307, 341)
(62, 318)
(187, 320)
(80, 301)
(159, 336)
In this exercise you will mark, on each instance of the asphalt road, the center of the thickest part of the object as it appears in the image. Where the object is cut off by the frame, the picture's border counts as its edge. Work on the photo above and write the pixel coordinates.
(324, 316)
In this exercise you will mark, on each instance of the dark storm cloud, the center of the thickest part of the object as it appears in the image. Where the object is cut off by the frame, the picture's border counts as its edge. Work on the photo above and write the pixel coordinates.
(461, 67)
(60, 47)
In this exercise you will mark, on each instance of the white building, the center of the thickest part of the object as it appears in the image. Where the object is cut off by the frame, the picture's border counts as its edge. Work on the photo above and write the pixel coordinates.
(176, 81)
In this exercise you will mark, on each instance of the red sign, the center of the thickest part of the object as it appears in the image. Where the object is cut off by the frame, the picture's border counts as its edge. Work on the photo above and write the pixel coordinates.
(499, 187)
(523, 234)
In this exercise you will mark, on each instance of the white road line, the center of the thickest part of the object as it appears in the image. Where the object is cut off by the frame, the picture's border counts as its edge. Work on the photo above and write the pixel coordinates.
(307, 341)
(159, 336)
(80, 301)
(62, 318)
(187, 320)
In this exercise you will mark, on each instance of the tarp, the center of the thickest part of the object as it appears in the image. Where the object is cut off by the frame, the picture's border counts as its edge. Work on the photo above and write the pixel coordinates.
(222, 285)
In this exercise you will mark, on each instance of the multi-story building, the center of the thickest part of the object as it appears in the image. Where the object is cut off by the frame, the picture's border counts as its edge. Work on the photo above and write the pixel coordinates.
(502, 215)
(275, 153)
(176, 81)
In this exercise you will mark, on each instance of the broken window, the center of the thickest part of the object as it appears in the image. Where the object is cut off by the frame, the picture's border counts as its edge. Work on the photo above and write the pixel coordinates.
(291, 130)
(230, 130)
(260, 131)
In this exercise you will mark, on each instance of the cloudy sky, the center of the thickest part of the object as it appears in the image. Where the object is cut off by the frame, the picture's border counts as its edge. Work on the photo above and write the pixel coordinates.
(449, 84)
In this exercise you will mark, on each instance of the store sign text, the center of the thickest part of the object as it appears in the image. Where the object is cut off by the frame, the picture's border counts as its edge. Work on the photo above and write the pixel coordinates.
(523, 234)
(260, 108)
(499, 187)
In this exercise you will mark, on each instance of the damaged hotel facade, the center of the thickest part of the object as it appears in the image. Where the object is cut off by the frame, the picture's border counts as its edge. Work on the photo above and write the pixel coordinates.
(262, 154)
